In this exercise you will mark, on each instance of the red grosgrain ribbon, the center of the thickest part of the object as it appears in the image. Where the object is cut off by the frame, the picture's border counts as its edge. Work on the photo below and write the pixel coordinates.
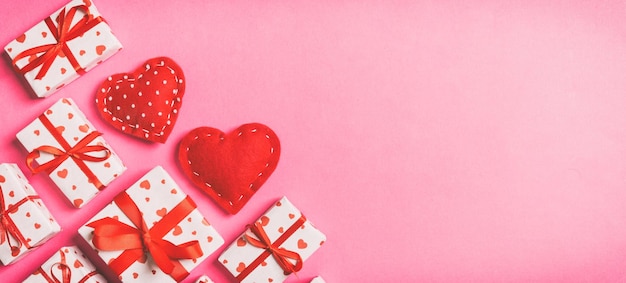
(66, 272)
(136, 242)
(282, 256)
(8, 229)
(79, 153)
(63, 31)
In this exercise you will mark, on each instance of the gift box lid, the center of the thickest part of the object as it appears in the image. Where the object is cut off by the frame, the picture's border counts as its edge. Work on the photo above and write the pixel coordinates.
(285, 227)
(159, 201)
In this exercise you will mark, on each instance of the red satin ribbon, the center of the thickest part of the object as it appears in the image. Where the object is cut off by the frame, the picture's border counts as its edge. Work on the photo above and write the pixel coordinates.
(282, 256)
(8, 229)
(136, 242)
(66, 272)
(78, 153)
(63, 31)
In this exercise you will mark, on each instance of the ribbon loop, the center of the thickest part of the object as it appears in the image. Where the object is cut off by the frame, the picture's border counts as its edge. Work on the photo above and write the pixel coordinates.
(112, 235)
(66, 272)
(79, 152)
(281, 255)
(62, 31)
(8, 229)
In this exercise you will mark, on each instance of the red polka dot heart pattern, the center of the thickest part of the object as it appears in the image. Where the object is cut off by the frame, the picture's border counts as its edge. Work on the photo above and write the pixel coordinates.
(144, 103)
(231, 167)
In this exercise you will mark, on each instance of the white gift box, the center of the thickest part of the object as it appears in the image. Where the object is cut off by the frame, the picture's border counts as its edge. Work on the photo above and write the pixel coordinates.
(64, 127)
(26, 222)
(287, 229)
(68, 265)
(73, 40)
(318, 279)
(168, 213)
(204, 279)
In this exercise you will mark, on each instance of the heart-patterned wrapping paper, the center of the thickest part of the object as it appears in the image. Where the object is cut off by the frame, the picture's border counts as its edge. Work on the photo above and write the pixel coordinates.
(63, 126)
(87, 42)
(156, 195)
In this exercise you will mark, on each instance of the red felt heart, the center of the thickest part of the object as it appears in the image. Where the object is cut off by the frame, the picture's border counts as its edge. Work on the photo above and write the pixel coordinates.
(231, 167)
(144, 103)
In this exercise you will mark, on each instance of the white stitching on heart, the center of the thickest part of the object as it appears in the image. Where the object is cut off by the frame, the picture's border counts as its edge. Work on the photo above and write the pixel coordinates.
(251, 184)
(172, 103)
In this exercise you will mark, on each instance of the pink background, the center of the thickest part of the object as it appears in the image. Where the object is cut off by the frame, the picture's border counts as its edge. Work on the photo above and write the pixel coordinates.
(436, 141)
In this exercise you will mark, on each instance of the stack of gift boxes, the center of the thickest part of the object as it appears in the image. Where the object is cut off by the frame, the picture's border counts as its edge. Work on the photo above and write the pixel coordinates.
(152, 231)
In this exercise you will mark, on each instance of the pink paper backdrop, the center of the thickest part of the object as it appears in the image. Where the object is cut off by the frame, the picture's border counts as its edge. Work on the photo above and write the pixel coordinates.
(432, 141)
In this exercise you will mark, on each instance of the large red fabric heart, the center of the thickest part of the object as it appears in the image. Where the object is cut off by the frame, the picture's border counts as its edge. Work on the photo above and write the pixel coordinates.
(231, 167)
(144, 103)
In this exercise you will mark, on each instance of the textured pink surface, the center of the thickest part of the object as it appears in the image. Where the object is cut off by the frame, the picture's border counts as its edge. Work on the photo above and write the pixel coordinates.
(478, 141)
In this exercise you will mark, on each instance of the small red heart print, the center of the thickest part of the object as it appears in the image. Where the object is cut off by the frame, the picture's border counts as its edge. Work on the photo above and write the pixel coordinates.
(62, 173)
(173, 191)
(241, 267)
(302, 244)
(82, 52)
(107, 165)
(177, 231)
(2, 179)
(11, 194)
(135, 275)
(145, 184)
(78, 202)
(63, 71)
(100, 49)
(241, 242)
(265, 220)
(64, 100)
(37, 132)
(60, 129)
(209, 239)
(70, 116)
(37, 225)
(291, 216)
(161, 212)
(83, 128)
(77, 264)
(21, 38)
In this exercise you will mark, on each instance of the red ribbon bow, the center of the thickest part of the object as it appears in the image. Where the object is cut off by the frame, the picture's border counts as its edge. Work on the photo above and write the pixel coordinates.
(63, 32)
(66, 272)
(8, 229)
(112, 235)
(79, 153)
(282, 256)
